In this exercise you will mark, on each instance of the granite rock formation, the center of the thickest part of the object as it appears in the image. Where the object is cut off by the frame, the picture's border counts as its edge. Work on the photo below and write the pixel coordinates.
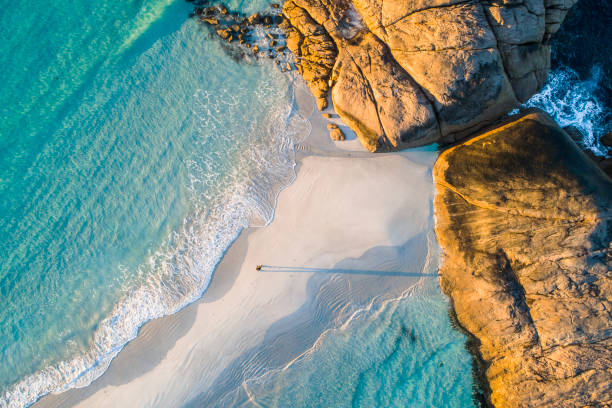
(404, 73)
(525, 221)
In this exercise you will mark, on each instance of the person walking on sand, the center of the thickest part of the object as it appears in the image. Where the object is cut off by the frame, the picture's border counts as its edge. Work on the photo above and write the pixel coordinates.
(258, 268)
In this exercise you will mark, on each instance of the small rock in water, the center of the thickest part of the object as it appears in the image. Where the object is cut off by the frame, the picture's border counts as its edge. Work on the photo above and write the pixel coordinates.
(255, 49)
(224, 33)
(253, 18)
(327, 115)
(281, 48)
(332, 126)
(211, 21)
(273, 43)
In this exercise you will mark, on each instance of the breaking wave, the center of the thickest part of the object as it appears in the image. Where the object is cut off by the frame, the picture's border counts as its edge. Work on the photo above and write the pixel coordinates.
(572, 101)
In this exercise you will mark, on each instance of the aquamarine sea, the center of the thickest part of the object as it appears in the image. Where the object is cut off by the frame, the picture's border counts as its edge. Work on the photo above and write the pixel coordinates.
(133, 151)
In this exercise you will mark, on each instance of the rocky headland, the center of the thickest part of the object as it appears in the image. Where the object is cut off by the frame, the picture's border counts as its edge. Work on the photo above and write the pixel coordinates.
(524, 218)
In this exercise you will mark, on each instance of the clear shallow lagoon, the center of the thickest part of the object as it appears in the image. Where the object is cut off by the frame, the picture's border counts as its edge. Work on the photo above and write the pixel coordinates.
(402, 352)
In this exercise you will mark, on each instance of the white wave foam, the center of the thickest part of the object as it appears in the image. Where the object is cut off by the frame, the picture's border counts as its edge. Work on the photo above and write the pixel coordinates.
(180, 272)
(572, 102)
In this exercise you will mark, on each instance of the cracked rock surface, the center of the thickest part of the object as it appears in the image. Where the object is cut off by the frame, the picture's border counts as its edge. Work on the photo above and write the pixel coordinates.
(525, 221)
(405, 73)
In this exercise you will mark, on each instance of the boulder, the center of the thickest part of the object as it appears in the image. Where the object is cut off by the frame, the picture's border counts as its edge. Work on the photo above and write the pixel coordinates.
(224, 33)
(211, 21)
(336, 134)
(524, 219)
(405, 73)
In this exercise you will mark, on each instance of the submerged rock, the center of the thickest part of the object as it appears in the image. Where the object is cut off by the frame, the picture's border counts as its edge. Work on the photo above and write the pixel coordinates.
(525, 222)
(240, 32)
(407, 73)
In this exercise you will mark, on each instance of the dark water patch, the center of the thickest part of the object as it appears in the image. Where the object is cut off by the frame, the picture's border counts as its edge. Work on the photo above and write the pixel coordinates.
(583, 42)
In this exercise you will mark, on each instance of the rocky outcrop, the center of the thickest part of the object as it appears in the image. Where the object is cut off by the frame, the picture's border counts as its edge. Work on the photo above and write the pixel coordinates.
(404, 73)
(335, 133)
(524, 218)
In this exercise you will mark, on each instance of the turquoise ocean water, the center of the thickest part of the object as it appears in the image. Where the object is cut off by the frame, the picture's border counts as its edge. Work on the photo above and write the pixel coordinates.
(398, 352)
(133, 150)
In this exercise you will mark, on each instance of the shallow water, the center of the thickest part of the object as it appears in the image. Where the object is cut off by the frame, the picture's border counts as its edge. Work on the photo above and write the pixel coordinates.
(134, 150)
(397, 352)
(404, 354)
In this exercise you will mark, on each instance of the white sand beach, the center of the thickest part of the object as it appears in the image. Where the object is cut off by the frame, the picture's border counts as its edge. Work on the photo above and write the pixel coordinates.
(352, 227)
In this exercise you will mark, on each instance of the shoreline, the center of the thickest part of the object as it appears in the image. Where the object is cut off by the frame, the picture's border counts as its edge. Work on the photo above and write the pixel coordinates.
(155, 352)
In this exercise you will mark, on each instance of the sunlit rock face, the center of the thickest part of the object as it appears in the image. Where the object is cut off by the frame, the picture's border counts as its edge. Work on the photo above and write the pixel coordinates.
(404, 73)
(524, 218)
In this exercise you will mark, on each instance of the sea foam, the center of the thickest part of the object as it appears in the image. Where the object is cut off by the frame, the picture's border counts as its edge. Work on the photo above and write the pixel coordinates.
(572, 101)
